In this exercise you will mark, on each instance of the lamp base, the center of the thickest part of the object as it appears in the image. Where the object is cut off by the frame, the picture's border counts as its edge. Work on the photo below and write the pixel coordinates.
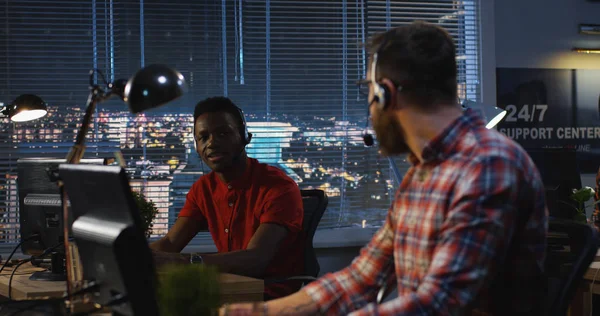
(57, 270)
(47, 276)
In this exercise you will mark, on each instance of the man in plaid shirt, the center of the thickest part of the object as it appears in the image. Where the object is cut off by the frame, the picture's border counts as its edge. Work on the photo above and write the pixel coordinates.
(467, 229)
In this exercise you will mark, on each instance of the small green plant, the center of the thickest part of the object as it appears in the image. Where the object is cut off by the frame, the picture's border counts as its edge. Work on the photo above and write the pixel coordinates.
(581, 196)
(185, 290)
(148, 211)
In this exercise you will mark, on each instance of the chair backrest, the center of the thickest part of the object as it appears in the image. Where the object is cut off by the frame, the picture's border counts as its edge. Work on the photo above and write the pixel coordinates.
(314, 202)
(572, 246)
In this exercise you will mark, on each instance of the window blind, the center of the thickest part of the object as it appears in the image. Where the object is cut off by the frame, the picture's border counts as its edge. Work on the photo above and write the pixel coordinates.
(47, 49)
(290, 65)
(459, 18)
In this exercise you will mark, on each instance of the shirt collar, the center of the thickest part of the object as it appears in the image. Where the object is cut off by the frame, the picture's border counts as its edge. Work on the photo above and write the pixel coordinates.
(245, 180)
(443, 145)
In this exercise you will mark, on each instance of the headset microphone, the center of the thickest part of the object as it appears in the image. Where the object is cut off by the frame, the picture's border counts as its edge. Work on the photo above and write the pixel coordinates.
(368, 139)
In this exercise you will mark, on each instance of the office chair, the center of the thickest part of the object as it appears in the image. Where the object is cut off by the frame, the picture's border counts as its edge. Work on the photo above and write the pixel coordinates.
(572, 247)
(314, 203)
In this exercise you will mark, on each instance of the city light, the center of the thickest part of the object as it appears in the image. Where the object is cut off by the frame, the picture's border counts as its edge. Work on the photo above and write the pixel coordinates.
(309, 152)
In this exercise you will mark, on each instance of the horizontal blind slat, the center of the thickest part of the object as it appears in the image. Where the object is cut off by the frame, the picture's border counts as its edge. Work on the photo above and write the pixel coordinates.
(298, 92)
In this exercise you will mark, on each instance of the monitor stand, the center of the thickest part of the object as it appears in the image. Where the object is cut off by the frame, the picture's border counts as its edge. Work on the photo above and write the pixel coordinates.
(57, 270)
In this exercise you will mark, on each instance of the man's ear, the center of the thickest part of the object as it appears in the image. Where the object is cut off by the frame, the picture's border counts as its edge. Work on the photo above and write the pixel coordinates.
(249, 138)
(393, 93)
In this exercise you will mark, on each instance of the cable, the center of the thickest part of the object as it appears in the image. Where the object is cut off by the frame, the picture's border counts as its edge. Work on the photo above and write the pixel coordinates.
(45, 253)
(592, 292)
(24, 273)
(91, 286)
(13, 274)
(98, 71)
(97, 307)
(15, 250)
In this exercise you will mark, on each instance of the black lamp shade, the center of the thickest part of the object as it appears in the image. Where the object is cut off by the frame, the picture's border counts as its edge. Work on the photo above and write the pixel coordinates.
(26, 107)
(153, 86)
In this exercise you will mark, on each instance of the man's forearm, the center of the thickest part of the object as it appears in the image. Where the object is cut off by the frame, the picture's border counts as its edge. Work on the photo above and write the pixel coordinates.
(163, 245)
(298, 303)
(164, 258)
(242, 262)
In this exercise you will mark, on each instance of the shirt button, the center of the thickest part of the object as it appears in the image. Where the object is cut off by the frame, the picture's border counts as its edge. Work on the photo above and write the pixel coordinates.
(226, 230)
(230, 204)
(229, 187)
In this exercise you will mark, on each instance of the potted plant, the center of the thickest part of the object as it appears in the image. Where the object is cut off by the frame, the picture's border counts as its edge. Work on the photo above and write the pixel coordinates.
(148, 211)
(191, 289)
(581, 196)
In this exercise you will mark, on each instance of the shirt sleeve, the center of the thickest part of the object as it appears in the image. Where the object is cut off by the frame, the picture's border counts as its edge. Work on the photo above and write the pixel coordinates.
(473, 238)
(191, 206)
(353, 287)
(284, 207)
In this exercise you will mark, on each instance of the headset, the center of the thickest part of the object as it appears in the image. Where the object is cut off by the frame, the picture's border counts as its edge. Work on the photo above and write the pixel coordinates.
(381, 94)
(246, 136)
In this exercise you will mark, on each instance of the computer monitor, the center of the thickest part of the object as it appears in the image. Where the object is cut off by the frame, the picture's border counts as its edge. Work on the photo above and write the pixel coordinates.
(560, 174)
(113, 249)
(40, 211)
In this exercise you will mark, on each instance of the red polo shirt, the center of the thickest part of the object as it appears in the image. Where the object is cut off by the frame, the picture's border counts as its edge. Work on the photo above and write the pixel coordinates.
(233, 211)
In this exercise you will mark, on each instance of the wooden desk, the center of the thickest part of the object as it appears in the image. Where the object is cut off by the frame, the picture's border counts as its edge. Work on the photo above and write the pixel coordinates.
(234, 288)
(582, 302)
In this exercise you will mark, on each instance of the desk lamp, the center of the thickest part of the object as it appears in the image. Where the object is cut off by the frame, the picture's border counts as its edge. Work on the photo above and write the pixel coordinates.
(26, 107)
(149, 88)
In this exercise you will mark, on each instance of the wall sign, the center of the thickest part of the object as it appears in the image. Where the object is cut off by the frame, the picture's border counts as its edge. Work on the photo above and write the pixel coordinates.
(552, 108)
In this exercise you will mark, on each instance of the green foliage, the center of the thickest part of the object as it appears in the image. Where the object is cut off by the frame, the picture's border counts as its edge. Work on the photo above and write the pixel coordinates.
(148, 211)
(581, 196)
(191, 289)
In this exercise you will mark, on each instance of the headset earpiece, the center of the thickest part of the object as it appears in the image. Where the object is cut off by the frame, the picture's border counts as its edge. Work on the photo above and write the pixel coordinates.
(246, 136)
(381, 95)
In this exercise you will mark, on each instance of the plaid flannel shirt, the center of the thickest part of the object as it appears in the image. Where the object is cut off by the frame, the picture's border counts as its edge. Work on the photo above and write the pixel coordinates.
(467, 229)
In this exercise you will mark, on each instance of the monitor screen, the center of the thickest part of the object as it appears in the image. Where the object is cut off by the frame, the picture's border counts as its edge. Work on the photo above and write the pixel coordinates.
(107, 229)
(40, 208)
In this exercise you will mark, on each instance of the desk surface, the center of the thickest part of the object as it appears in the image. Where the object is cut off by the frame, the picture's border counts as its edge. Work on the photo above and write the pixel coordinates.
(593, 273)
(234, 288)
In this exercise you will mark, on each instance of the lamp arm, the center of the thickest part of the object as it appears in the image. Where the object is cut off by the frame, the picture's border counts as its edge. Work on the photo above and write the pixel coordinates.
(4, 111)
(76, 152)
(96, 95)
(73, 157)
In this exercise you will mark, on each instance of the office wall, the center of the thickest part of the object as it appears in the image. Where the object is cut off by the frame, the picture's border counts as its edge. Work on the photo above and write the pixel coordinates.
(541, 33)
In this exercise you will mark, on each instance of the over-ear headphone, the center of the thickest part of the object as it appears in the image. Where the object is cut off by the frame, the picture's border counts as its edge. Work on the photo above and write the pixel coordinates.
(246, 136)
(381, 93)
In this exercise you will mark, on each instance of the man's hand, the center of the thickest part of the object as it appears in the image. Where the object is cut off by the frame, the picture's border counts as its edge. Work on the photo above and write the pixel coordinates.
(166, 258)
(298, 303)
(184, 229)
(253, 260)
(244, 309)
